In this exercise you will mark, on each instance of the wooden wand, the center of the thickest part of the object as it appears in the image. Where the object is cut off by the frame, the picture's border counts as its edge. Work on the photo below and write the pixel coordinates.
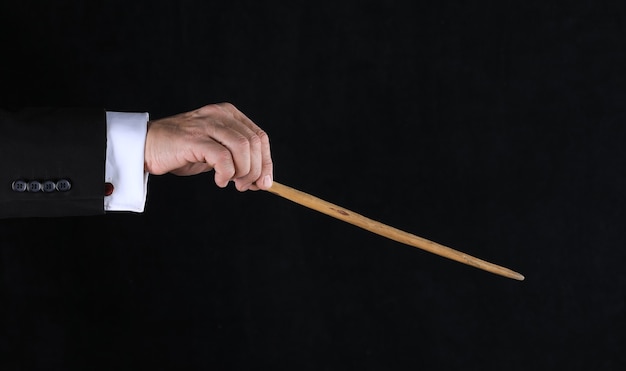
(384, 230)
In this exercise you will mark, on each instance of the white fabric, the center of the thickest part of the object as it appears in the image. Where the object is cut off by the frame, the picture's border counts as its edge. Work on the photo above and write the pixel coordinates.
(126, 140)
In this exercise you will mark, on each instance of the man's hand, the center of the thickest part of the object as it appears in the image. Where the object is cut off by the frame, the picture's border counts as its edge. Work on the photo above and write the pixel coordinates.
(218, 137)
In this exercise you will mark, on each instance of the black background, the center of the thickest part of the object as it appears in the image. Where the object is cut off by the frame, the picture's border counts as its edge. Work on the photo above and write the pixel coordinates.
(496, 129)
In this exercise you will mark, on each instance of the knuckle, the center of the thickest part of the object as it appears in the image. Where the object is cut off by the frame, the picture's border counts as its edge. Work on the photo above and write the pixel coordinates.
(205, 110)
(226, 106)
(268, 163)
(224, 162)
(224, 156)
(243, 142)
(263, 136)
(255, 141)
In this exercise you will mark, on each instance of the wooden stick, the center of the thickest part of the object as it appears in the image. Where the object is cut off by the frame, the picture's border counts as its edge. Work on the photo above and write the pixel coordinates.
(384, 230)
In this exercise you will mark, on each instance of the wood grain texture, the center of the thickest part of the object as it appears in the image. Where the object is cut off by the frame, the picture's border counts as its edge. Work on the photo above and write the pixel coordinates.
(387, 231)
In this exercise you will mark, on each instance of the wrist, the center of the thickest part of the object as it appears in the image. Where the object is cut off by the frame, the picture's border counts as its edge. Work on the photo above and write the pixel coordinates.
(147, 146)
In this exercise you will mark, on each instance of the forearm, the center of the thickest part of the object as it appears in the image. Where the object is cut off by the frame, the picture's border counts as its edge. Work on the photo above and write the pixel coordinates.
(50, 144)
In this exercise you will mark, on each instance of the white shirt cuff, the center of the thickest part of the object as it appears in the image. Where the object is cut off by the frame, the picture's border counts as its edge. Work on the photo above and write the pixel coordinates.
(126, 140)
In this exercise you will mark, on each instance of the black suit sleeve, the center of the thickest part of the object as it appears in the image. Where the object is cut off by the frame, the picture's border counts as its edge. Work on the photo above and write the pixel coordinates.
(49, 145)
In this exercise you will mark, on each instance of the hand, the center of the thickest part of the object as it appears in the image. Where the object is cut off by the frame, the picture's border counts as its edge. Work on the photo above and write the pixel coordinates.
(215, 137)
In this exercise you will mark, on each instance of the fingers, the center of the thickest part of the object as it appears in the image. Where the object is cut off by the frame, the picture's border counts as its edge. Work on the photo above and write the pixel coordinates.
(262, 155)
(247, 160)
(217, 137)
(236, 142)
(266, 177)
(240, 159)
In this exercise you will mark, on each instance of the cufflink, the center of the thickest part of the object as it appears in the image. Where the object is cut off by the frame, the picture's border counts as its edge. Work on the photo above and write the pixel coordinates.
(34, 186)
(63, 185)
(19, 186)
(108, 189)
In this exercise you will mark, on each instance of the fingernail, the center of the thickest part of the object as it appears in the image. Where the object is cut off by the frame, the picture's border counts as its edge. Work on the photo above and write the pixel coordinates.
(267, 181)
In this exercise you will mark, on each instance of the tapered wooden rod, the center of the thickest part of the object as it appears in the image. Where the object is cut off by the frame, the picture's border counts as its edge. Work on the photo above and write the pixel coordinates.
(384, 230)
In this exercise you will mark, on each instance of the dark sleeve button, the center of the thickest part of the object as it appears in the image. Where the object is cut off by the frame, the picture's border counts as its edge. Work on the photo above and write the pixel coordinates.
(49, 186)
(64, 185)
(19, 186)
(34, 186)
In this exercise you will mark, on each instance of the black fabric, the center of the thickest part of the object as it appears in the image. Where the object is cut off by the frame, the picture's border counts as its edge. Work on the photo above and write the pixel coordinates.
(496, 128)
(52, 144)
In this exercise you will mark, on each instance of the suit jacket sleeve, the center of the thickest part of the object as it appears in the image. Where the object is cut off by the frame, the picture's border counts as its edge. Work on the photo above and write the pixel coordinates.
(52, 144)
